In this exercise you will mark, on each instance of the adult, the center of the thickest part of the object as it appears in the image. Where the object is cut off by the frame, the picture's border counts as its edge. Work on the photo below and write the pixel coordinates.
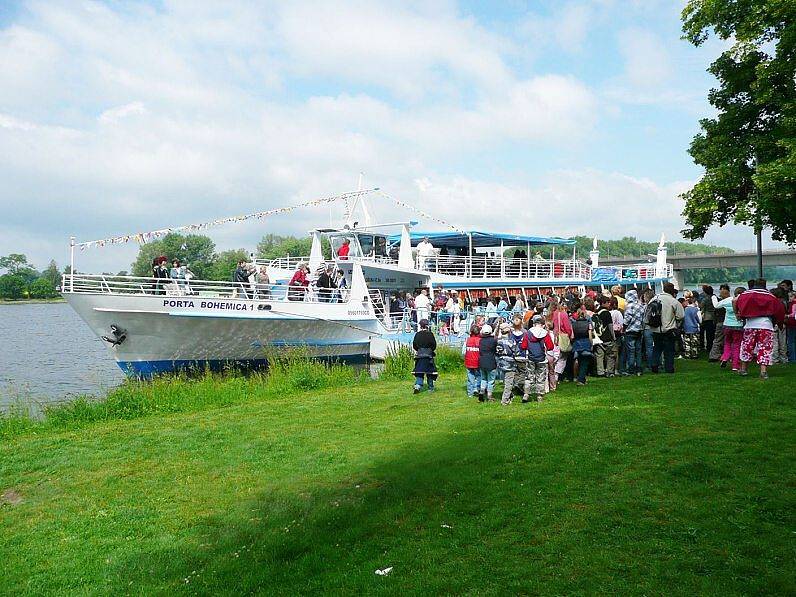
(646, 333)
(618, 292)
(790, 326)
(424, 251)
(604, 338)
(491, 312)
(708, 312)
(177, 273)
(160, 273)
(634, 331)
(619, 332)
(454, 310)
(297, 287)
(487, 363)
(425, 345)
(780, 333)
(762, 311)
(582, 336)
(720, 314)
(664, 313)
(423, 305)
(345, 250)
(326, 284)
(562, 336)
(471, 350)
(733, 331)
(262, 283)
(241, 278)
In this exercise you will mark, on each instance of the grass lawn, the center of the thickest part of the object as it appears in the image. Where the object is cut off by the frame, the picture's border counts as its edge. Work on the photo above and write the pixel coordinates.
(662, 485)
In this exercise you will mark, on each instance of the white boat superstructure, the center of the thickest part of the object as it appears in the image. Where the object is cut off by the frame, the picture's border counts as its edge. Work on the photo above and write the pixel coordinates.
(155, 325)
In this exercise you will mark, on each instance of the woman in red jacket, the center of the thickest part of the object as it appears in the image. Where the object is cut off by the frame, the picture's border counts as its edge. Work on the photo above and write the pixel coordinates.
(298, 283)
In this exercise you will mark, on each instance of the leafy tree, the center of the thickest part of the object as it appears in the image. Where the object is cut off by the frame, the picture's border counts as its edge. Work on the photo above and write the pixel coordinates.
(273, 246)
(42, 288)
(15, 263)
(12, 286)
(52, 274)
(196, 250)
(225, 263)
(749, 149)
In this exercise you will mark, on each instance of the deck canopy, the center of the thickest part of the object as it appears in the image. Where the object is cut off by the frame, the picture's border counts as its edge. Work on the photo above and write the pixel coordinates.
(461, 240)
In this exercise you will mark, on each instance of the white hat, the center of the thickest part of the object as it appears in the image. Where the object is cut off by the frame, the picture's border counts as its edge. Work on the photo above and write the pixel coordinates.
(486, 330)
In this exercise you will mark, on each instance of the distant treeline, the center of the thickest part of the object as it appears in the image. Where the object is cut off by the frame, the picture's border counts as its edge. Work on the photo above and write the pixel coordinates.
(22, 280)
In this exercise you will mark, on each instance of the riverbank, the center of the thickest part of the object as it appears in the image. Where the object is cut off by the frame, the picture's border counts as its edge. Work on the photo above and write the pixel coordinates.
(33, 301)
(665, 484)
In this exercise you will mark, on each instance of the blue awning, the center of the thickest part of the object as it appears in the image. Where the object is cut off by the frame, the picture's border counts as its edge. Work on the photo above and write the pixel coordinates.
(458, 240)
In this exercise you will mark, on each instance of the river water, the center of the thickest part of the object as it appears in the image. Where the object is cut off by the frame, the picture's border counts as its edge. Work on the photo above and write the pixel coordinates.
(48, 354)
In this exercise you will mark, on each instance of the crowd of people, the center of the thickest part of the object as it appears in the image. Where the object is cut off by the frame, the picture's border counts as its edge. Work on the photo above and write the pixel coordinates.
(570, 336)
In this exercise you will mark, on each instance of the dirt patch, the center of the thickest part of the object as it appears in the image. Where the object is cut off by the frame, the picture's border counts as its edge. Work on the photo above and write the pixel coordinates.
(11, 497)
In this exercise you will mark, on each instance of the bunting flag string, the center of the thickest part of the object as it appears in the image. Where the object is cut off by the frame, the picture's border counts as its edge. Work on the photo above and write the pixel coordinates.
(420, 212)
(145, 237)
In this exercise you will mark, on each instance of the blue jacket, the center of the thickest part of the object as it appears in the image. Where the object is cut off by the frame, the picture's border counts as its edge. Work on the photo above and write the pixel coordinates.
(691, 321)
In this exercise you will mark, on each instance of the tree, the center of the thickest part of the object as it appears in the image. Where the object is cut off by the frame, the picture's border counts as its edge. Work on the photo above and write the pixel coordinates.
(273, 246)
(225, 264)
(749, 149)
(12, 286)
(196, 250)
(52, 275)
(42, 288)
(15, 263)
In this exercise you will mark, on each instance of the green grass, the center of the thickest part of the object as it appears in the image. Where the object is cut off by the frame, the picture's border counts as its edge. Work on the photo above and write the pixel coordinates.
(662, 485)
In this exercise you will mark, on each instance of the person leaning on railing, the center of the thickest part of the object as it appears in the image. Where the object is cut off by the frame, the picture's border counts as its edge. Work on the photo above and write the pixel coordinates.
(298, 283)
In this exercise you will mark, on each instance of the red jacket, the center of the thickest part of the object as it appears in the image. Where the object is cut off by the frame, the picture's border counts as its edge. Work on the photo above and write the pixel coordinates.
(299, 278)
(790, 320)
(760, 303)
(342, 252)
(472, 349)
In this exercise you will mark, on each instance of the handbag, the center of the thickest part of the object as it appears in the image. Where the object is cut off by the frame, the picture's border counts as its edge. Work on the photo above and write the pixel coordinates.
(563, 340)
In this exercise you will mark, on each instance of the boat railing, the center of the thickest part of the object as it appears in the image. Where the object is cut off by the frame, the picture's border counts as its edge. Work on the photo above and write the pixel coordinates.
(291, 263)
(137, 285)
(483, 266)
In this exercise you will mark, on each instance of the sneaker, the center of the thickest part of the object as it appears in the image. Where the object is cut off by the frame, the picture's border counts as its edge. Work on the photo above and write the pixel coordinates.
(638, 374)
(764, 376)
(734, 370)
(743, 373)
(577, 383)
(539, 398)
(525, 400)
(723, 365)
(431, 389)
(416, 390)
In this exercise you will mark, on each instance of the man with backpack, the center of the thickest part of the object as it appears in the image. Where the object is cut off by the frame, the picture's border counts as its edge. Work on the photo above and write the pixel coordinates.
(603, 327)
(663, 314)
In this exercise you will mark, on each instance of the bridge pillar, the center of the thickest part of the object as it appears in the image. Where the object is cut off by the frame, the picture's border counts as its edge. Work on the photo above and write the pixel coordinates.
(678, 279)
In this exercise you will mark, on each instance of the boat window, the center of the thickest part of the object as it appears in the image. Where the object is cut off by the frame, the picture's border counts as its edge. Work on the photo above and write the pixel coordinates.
(366, 242)
(336, 241)
(381, 246)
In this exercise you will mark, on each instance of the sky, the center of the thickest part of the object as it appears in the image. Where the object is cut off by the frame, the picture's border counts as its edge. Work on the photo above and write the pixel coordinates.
(550, 118)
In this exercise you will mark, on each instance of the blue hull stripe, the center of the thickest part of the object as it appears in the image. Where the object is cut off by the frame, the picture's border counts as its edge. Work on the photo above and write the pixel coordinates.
(145, 369)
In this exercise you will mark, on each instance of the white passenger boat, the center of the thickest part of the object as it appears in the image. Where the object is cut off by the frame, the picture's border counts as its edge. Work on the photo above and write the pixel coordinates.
(153, 327)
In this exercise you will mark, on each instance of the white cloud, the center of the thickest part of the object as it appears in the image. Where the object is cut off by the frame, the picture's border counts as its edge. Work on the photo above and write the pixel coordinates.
(112, 115)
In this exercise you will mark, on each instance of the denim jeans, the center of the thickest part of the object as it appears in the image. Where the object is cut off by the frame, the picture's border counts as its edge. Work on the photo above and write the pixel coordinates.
(632, 352)
(429, 381)
(473, 381)
(584, 361)
(663, 344)
(791, 345)
(488, 377)
(648, 345)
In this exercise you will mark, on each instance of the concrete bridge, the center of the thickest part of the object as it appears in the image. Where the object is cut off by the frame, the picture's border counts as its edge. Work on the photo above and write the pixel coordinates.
(715, 260)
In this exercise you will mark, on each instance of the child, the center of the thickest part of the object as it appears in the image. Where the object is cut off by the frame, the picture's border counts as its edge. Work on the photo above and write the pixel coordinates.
(540, 345)
(487, 362)
(444, 331)
(691, 330)
(471, 350)
(424, 344)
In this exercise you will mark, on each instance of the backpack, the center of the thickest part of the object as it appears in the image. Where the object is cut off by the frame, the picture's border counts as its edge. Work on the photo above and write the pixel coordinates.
(536, 349)
(580, 328)
(598, 326)
(654, 314)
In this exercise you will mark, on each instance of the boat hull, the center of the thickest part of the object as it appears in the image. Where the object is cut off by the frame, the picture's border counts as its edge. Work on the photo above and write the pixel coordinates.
(165, 334)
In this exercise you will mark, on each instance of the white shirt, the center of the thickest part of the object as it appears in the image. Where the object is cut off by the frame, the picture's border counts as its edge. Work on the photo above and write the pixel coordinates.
(425, 249)
(758, 323)
(422, 302)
